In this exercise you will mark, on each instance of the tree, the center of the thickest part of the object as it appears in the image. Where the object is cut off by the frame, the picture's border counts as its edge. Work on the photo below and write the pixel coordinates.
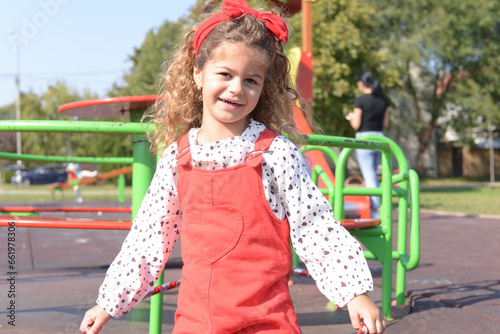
(45, 107)
(7, 139)
(440, 48)
(343, 46)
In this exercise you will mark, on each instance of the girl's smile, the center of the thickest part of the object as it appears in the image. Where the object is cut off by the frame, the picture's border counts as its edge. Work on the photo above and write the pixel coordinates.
(232, 83)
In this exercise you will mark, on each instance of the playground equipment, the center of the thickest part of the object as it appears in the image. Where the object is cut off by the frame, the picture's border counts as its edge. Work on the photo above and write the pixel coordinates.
(103, 176)
(353, 199)
(90, 127)
(93, 160)
(59, 222)
(378, 239)
(143, 162)
(35, 210)
(376, 235)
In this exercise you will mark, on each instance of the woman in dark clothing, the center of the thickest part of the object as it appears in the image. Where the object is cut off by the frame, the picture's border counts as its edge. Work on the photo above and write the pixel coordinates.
(369, 117)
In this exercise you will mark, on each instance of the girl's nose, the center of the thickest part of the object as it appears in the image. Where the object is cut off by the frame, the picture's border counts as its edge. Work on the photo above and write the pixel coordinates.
(236, 86)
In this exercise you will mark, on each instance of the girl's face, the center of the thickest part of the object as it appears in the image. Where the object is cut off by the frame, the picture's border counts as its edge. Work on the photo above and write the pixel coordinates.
(231, 82)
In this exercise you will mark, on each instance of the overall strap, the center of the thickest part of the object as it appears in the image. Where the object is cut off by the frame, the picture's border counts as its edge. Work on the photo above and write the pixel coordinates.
(184, 155)
(263, 143)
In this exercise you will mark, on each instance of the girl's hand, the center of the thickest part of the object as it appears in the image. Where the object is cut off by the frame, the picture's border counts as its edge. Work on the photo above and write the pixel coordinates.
(94, 319)
(362, 307)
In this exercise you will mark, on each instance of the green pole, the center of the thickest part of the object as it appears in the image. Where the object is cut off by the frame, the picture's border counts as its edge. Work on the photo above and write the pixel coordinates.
(405, 177)
(90, 160)
(73, 127)
(142, 174)
(386, 216)
(121, 188)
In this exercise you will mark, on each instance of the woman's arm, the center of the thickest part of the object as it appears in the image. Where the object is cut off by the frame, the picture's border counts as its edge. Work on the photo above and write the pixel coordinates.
(355, 118)
(386, 122)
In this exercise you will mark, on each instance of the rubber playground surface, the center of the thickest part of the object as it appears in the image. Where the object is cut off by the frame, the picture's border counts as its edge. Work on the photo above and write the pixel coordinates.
(57, 273)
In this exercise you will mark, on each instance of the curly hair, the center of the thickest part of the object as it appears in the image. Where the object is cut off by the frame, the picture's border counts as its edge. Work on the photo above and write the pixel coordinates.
(179, 106)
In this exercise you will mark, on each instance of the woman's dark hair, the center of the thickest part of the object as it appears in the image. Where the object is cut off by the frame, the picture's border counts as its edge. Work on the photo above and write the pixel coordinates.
(368, 79)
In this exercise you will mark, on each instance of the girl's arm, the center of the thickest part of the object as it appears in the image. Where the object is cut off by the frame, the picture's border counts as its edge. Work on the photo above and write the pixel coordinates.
(333, 257)
(94, 319)
(362, 307)
(147, 246)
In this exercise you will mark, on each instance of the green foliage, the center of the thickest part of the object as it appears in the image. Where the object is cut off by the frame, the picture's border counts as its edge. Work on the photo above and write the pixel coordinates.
(45, 107)
(143, 79)
(7, 139)
(447, 55)
(476, 89)
(343, 46)
(8, 111)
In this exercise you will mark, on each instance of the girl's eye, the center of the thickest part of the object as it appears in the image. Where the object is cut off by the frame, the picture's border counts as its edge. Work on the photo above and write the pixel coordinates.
(252, 81)
(225, 74)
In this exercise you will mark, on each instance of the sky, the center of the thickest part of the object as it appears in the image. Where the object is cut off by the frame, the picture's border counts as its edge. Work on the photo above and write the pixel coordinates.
(84, 43)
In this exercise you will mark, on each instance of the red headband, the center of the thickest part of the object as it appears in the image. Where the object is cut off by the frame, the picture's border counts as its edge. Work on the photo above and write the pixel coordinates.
(235, 9)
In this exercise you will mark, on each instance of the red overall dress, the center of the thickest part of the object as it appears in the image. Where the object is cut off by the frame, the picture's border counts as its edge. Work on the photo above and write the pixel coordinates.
(236, 253)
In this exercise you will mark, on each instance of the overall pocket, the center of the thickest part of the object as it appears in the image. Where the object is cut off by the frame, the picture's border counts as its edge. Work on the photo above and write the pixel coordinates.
(213, 230)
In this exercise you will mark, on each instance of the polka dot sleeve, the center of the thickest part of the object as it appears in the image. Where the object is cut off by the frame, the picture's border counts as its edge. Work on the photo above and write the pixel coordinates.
(148, 245)
(332, 256)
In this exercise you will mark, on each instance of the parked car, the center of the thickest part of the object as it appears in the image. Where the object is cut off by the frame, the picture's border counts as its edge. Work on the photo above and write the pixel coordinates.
(42, 175)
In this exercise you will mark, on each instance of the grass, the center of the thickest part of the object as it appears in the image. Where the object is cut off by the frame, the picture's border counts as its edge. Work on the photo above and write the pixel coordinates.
(468, 200)
(460, 195)
(41, 193)
(455, 181)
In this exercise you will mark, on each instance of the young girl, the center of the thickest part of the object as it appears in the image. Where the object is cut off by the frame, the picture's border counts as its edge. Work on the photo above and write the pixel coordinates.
(235, 191)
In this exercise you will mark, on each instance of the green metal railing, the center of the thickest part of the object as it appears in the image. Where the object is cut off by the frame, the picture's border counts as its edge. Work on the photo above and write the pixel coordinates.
(143, 162)
(378, 239)
(74, 127)
(143, 167)
(81, 160)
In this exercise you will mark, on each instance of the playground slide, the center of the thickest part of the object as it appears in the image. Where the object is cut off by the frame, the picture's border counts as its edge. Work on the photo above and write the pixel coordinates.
(301, 71)
(90, 180)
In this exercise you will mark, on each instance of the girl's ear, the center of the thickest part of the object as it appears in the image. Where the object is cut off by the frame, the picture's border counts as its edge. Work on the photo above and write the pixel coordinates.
(198, 77)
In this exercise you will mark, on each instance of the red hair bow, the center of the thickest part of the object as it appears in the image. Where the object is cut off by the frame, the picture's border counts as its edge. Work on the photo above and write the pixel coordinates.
(234, 9)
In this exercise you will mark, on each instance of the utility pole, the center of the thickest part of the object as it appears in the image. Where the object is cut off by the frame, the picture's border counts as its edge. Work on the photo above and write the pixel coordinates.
(492, 153)
(18, 88)
(18, 103)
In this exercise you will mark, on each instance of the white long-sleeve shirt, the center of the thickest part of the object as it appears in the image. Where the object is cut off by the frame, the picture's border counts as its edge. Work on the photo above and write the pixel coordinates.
(332, 256)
